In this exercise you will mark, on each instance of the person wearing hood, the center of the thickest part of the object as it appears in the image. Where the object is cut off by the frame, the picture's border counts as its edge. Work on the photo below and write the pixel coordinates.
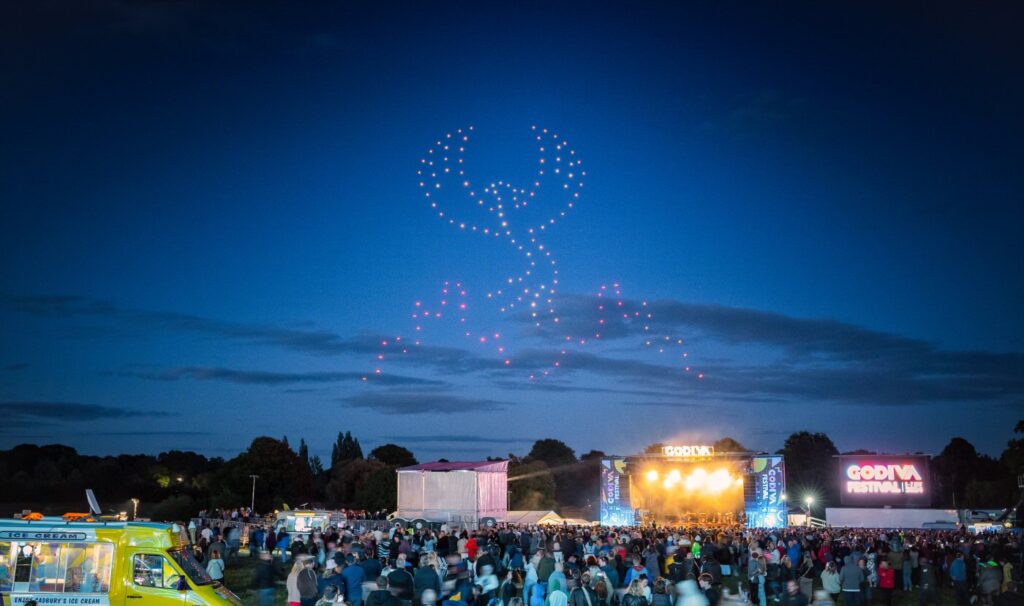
(425, 578)
(545, 566)
(556, 594)
(558, 576)
(690, 595)
(537, 595)
(850, 579)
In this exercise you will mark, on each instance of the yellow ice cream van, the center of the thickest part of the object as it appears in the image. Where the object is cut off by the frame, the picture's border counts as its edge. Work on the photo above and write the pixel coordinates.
(56, 562)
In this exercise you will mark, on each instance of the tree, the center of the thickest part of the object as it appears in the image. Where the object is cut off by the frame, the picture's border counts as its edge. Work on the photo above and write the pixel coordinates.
(316, 466)
(655, 448)
(554, 453)
(346, 448)
(728, 444)
(392, 454)
(379, 490)
(283, 475)
(811, 466)
(1013, 457)
(530, 486)
(956, 467)
(303, 450)
(346, 477)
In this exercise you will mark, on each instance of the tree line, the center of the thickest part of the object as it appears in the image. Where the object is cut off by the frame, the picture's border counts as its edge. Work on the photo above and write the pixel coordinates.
(176, 484)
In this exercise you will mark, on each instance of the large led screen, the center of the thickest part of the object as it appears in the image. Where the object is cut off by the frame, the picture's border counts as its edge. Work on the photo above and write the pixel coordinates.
(884, 480)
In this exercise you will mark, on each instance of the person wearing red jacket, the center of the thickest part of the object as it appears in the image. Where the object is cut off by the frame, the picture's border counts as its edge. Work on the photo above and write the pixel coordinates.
(886, 581)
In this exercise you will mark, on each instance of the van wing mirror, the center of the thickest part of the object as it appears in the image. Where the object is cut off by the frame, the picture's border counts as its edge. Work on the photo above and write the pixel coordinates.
(182, 584)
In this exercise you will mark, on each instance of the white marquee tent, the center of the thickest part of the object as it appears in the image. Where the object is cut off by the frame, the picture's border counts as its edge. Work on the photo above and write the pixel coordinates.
(460, 491)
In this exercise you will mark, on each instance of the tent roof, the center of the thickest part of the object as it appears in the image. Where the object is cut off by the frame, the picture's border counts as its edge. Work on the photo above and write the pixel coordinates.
(498, 466)
(533, 517)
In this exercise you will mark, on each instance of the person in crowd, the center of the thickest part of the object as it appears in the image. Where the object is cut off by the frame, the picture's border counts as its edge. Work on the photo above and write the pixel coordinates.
(757, 573)
(331, 595)
(353, 576)
(928, 581)
(886, 582)
(265, 579)
(215, 567)
(690, 594)
(850, 579)
(823, 598)
(711, 591)
(793, 596)
(634, 595)
(958, 576)
(307, 581)
(659, 593)
(331, 577)
(381, 596)
(636, 570)
(292, 584)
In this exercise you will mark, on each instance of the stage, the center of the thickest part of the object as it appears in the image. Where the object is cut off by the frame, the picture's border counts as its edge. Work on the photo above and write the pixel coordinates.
(693, 485)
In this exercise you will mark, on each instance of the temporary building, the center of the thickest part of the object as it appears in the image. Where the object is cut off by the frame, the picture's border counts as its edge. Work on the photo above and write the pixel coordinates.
(466, 492)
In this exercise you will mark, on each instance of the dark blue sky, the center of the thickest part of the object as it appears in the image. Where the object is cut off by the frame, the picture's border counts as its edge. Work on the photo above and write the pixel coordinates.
(210, 220)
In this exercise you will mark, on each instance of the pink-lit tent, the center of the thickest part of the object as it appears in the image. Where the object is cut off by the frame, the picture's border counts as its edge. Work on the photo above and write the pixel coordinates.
(462, 492)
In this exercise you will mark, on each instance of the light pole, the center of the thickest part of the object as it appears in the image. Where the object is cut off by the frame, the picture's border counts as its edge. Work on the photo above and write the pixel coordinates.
(809, 501)
(135, 509)
(252, 504)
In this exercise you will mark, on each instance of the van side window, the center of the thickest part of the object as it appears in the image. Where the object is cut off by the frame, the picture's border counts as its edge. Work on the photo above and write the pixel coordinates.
(153, 570)
(6, 567)
(58, 567)
(47, 570)
(88, 567)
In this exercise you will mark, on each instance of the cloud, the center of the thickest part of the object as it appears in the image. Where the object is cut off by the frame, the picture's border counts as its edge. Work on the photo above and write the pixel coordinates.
(29, 412)
(804, 360)
(263, 377)
(772, 358)
(413, 403)
(445, 439)
(304, 340)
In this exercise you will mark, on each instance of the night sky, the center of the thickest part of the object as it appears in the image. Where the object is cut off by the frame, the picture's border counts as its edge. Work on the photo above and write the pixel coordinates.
(210, 221)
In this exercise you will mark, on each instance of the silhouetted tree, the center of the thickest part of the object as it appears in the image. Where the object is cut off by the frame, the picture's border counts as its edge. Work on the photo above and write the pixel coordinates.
(553, 452)
(346, 448)
(392, 454)
(379, 490)
(530, 485)
(729, 445)
(811, 466)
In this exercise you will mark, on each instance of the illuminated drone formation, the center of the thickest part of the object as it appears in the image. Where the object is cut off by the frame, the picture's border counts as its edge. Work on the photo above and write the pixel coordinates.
(497, 210)
(452, 194)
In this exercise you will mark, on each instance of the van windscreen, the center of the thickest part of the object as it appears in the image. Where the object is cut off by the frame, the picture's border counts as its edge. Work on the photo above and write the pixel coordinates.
(193, 569)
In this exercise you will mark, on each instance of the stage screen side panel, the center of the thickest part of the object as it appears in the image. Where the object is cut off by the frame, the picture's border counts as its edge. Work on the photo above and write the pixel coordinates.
(616, 509)
(765, 505)
(884, 481)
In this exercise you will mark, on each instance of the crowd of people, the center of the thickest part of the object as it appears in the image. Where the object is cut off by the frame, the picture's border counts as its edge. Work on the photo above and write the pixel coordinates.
(378, 564)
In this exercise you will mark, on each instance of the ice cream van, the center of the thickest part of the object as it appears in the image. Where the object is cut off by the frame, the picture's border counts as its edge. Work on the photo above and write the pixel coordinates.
(56, 562)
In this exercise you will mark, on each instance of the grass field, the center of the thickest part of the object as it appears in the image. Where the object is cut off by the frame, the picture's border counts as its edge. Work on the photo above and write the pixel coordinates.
(238, 578)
